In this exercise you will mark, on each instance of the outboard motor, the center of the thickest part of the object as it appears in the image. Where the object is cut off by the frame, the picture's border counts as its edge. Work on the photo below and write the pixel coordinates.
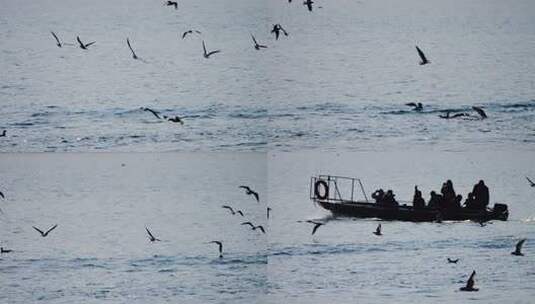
(501, 211)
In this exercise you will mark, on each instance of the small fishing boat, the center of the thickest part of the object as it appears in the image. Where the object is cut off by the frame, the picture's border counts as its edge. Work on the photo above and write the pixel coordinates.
(337, 194)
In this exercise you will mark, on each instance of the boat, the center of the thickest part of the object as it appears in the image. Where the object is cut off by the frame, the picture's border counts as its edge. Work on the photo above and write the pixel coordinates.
(337, 195)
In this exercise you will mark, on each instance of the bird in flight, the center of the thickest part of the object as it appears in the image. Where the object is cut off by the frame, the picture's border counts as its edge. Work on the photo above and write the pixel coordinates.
(82, 45)
(151, 237)
(256, 45)
(229, 208)
(378, 230)
(249, 191)
(2, 195)
(453, 261)
(132, 50)
(44, 234)
(316, 226)
(253, 227)
(418, 107)
(58, 42)
(277, 29)
(155, 113)
(308, 3)
(422, 57)
(519, 248)
(480, 111)
(189, 32)
(3, 133)
(208, 54)
(531, 183)
(3, 250)
(220, 247)
(172, 3)
(470, 283)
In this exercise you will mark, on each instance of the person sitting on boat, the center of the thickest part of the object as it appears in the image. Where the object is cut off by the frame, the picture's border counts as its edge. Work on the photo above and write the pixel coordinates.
(378, 196)
(389, 198)
(481, 193)
(418, 201)
(435, 201)
(457, 202)
(470, 202)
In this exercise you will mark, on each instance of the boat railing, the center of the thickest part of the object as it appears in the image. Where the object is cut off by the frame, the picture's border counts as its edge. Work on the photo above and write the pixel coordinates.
(337, 189)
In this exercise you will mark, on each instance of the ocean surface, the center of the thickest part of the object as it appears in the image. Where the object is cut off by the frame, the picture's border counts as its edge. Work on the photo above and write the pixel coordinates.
(102, 202)
(338, 81)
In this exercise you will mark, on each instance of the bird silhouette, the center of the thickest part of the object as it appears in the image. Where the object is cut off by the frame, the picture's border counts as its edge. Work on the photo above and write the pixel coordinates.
(308, 3)
(220, 247)
(155, 113)
(151, 236)
(58, 42)
(277, 29)
(208, 54)
(422, 56)
(175, 119)
(267, 211)
(132, 50)
(416, 106)
(229, 208)
(480, 111)
(316, 226)
(249, 191)
(453, 261)
(2, 195)
(189, 32)
(519, 248)
(378, 230)
(3, 250)
(470, 283)
(44, 234)
(256, 45)
(531, 183)
(3, 133)
(172, 3)
(82, 45)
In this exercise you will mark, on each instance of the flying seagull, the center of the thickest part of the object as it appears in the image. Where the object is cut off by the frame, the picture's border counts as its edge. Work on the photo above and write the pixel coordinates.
(453, 261)
(44, 234)
(151, 237)
(268, 210)
(256, 45)
(531, 183)
(248, 223)
(155, 113)
(518, 248)
(277, 28)
(130, 47)
(208, 54)
(3, 134)
(2, 250)
(220, 247)
(480, 112)
(470, 283)
(189, 32)
(418, 107)
(378, 230)
(2, 195)
(308, 3)
(82, 45)
(172, 3)
(248, 191)
(58, 42)
(316, 226)
(229, 208)
(422, 56)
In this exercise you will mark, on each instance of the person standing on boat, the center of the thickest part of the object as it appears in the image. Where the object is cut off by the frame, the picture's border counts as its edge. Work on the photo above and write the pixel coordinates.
(418, 201)
(448, 195)
(481, 193)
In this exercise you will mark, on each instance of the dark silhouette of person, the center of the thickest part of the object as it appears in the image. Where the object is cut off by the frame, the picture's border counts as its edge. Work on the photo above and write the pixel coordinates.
(435, 200)
(457, 202)
(470, 202)
(390, 198)
(378, 196)
(417, 200)
(481, 193)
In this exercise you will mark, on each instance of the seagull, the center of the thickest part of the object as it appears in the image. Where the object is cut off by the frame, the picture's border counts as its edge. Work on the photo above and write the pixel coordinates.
(378, 230)
(190, 32)
(229, 208)
(44, 234)
(248, 223)
(518, 248)
(2, 250)
(422, 56)
(155, 113)
(480, 112)
(239, 212)
(172, 3)
(470, 283)
(418, 107)
(151, 237)
(453, 261)
(248, 191)
(2, 195)
(531, 183)
(3, 134)
(268, 210)
(130, 47)
(277, 28)
(206, 54)
(220, 247)
(58, 42)
(82, 45)
(175, 119)
(260, 227)
(308, 3)
(256, 45)
(316, 226)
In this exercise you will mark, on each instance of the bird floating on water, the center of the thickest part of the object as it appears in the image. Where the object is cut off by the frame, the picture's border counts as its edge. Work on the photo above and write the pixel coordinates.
(519, 248)
(174, 119)
(151, 236)
(256, 45)
(249, 191)
(132, 50)
(378, 230)
(470, 283)
(453, 261)
(190, 32)
(84, 45)
(44, 234)
(220, 247)
(531, 183)
(208, 54)
(422, 56)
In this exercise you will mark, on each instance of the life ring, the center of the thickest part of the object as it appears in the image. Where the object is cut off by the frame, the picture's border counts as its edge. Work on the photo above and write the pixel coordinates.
(321, 184)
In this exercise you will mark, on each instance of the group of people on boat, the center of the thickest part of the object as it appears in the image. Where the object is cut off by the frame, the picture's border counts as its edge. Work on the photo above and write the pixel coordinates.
(478, 199)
